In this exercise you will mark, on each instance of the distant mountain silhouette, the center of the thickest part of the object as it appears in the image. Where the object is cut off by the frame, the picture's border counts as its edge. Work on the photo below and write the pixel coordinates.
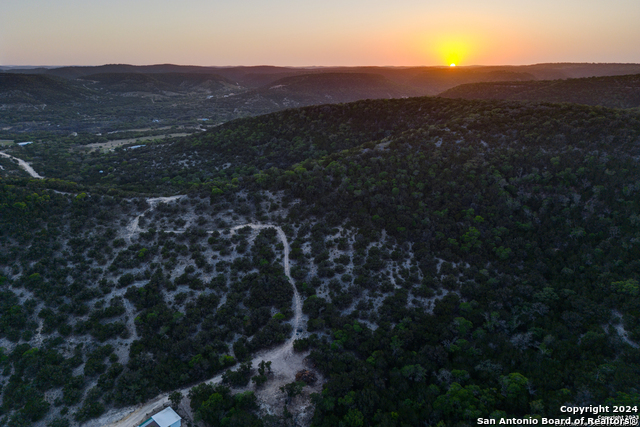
(428, 80)
(235, 74)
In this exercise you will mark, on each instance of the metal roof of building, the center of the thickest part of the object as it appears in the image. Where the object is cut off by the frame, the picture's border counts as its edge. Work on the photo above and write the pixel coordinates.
(166, 417)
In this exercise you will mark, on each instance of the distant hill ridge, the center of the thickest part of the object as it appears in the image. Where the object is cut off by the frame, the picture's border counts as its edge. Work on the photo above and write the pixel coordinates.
(132, 82)
(235, 92)
(434, 81)
(611, 91)
(257, 76)
(34, 89)
(334, 87)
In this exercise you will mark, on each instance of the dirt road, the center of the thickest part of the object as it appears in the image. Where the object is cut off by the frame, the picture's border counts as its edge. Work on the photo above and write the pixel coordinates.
(24, 165)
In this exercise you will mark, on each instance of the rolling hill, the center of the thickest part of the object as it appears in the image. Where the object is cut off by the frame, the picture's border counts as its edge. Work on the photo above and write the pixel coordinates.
(39, 89)
(161, 83)
(328, 88)
(615, 91)
(435, 80)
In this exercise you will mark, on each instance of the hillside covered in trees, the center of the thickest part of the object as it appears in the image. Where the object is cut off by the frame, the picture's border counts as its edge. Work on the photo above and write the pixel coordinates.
(25, 89)
(325, 88)
(613, 92)
(456, 259)
(161, 83)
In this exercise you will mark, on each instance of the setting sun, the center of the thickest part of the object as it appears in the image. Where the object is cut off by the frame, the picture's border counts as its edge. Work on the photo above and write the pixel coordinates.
(453, 49)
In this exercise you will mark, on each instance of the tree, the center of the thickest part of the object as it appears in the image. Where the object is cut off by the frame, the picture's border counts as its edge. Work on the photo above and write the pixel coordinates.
(292, 389)
(464, 403)
(175, 398)
(261, 378)
(514, 389)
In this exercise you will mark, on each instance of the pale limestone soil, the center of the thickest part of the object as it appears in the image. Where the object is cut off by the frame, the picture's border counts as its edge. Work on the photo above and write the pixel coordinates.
(622, 332)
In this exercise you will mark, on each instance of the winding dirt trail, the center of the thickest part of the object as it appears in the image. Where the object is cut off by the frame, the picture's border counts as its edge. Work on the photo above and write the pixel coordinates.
(134, 228)
(37, 339)
(297, 301)
(284, 361)
(24, 165)
(131, 324)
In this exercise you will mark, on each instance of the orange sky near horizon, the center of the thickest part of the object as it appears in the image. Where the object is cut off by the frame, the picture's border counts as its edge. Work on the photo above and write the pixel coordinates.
(297, 33)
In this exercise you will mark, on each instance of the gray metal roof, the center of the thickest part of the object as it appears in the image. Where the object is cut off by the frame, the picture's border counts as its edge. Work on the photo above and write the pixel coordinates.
(166, 417)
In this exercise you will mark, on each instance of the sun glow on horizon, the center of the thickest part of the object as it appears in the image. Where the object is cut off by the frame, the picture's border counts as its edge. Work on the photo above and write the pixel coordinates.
(452, 49)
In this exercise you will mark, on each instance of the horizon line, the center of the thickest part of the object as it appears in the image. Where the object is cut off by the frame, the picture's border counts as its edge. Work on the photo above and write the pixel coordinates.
(318, 66)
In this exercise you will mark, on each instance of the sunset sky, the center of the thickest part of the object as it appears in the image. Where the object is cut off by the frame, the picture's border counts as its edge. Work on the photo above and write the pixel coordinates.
(328, 32)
